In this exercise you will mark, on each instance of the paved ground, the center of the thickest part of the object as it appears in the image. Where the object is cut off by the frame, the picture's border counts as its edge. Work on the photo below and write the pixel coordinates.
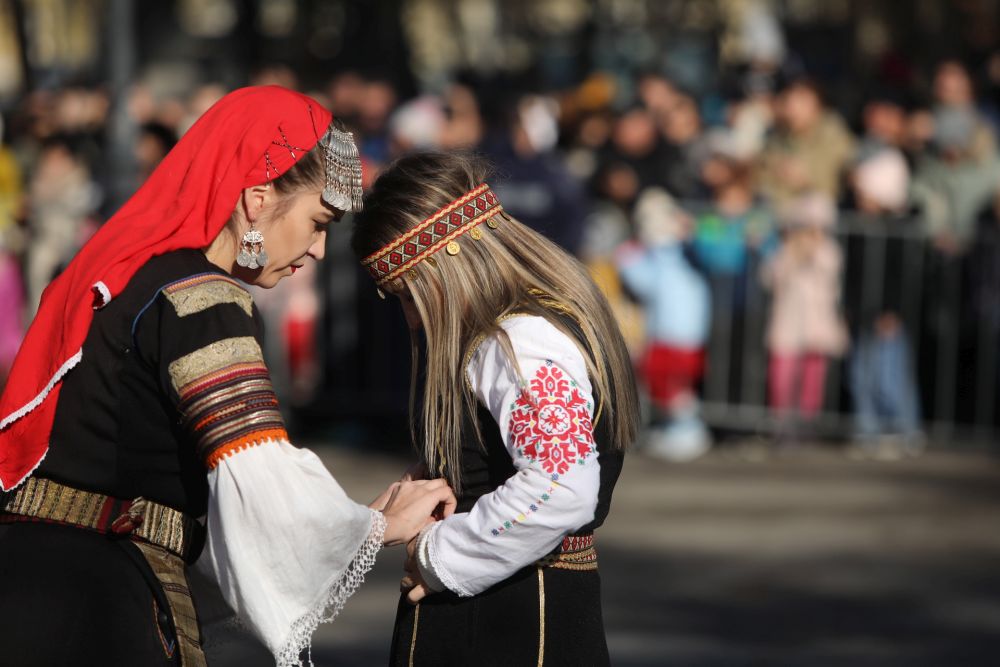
(806, 558)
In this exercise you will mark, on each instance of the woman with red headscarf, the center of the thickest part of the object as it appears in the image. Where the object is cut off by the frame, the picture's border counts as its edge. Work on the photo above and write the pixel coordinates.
(140, 400)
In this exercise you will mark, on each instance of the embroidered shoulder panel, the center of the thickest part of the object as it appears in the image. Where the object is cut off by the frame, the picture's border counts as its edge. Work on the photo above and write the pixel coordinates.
(550, 421)
(226, 398)
(212, 358)
(197, 293)
(549, 424)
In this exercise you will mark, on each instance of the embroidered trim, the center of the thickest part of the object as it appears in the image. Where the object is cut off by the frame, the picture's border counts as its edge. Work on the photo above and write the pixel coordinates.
(169, 571)
(574, 543)
(67, 366)
(577, 553)
(550, 422)
(552, 303)
(37, 400)
(168, 647)
(226, 398)
(434, 233)
(50, 502)
(532, 508)
(197, 293)
(300, 634)
(587, 564)
(413, 637)
(235, 447)
(212, 358)
(102, 291)
(541, 617)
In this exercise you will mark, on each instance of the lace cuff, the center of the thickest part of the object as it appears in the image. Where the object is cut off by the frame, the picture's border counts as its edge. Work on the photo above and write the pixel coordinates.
(346, 585)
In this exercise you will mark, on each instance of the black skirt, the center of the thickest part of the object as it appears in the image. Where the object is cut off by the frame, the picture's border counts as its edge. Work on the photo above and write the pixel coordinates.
(539, 616)
(69, 596)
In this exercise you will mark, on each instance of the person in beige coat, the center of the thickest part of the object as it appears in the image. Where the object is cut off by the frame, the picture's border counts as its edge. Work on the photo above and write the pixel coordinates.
(809, 149)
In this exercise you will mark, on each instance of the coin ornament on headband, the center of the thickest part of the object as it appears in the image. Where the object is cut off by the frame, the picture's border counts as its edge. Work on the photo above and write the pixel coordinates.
(438, 231)
(342, 166)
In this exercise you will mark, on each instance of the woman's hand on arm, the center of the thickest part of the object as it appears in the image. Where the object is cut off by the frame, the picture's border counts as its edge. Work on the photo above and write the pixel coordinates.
(412, 505)
(380, 503)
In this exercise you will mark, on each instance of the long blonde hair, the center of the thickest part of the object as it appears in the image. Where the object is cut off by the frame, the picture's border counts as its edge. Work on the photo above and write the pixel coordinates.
(461, 299)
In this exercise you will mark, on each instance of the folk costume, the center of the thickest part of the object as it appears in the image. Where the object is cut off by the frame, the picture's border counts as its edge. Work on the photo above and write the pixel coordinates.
(515, 566)
(140, 400)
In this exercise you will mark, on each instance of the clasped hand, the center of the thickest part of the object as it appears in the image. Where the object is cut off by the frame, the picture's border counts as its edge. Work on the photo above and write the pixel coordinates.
(413, 583)
(412, 481)
(411, 504)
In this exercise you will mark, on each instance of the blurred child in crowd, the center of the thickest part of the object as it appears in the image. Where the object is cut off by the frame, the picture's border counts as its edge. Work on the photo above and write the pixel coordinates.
(736, 222)
(805, 328)
(886, 409)
(730, 236)
(676, 301)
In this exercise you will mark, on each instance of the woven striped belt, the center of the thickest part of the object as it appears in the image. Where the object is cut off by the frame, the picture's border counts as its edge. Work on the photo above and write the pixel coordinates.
(140, 519)
(576, 553)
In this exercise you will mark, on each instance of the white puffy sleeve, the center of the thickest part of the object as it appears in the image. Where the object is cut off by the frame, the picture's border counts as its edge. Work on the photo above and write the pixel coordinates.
(285, 544)
(545, 418)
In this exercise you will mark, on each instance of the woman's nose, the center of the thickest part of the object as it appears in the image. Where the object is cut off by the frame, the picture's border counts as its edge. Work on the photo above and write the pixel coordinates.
(318, 249)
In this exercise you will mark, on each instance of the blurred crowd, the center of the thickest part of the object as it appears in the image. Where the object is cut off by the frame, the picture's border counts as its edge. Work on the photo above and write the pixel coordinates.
(717, 226)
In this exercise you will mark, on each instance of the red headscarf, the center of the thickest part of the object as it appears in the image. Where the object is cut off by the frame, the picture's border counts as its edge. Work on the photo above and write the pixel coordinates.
(247, 138)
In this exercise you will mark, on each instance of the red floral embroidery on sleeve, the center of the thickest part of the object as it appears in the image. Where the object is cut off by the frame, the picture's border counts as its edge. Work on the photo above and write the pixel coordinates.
(551, 424)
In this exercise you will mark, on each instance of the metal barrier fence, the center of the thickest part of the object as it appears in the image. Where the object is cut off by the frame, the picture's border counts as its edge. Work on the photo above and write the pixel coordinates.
(953, 348)
(888, 266)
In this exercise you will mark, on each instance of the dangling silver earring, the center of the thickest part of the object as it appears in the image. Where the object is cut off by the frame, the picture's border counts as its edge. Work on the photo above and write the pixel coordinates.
(252, 254)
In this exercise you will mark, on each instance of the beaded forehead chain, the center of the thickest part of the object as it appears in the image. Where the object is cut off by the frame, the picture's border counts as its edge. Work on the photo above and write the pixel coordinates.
(440, 230)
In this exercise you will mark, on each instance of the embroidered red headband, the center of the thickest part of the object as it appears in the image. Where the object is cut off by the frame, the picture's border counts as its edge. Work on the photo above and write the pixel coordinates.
(440, 230)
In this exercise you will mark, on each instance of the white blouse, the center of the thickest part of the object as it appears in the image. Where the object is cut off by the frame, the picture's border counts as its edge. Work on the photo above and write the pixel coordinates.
(545, 415)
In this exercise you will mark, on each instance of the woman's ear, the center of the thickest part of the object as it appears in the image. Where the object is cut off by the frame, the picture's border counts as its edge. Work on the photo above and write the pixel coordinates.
(255, 199)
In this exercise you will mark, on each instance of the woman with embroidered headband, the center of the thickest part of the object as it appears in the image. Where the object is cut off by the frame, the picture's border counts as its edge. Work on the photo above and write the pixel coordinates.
(140, 400)
(528, 404)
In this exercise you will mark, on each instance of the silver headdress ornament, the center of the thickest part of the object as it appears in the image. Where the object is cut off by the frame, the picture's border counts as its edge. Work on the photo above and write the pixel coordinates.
(343, 170)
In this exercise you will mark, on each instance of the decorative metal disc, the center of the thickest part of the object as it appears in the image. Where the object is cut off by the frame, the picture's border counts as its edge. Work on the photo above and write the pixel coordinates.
(253, 261)
(493, 223)
(476, 233)
(453, 248)
(243, 258)
(253, 236)
(261, 258)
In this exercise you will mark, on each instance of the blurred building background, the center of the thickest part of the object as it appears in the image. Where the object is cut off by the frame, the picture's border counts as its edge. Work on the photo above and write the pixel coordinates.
(793, 207)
